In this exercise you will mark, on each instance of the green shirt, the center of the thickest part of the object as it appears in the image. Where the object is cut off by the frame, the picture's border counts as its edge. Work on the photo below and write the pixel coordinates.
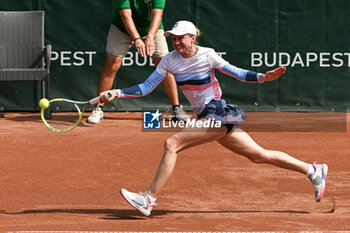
(141, 13)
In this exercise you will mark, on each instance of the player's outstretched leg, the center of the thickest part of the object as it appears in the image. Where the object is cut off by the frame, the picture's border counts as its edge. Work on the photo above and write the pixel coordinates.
(318, 180)
(241, 143)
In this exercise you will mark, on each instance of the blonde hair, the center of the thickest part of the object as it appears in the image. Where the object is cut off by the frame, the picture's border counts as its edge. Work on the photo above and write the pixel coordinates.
(198, 32)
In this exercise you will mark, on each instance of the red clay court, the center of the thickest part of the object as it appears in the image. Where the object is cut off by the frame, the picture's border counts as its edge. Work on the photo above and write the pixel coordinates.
(71, 181)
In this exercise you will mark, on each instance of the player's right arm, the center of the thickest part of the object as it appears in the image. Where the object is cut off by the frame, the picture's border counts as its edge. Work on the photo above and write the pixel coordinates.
(139, 90)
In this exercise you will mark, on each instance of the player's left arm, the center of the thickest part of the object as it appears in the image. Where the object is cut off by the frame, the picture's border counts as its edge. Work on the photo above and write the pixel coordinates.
(243, 75)
(252, 76)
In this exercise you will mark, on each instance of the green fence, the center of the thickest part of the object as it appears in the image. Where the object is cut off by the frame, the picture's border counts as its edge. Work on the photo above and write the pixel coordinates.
(310, 38)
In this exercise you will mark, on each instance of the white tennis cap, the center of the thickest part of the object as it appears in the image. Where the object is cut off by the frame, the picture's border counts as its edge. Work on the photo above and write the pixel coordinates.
(182, 27)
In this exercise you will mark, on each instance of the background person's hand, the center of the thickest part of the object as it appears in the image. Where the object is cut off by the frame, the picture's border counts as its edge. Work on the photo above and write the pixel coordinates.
(140, 46)
(150, 46)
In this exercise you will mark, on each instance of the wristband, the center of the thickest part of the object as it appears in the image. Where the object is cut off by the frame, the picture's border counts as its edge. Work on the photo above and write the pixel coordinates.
(259, 79)
(133, 41)
(118, 93)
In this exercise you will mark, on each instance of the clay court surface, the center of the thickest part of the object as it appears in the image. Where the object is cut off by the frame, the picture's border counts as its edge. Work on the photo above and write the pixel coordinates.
(71, 181)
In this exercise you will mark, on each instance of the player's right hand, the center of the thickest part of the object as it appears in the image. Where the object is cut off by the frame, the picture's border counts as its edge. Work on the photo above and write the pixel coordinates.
(108, 96)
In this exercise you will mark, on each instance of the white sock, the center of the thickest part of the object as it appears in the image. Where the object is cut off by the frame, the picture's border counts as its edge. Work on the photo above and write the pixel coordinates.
(310, 170)
(151, 199)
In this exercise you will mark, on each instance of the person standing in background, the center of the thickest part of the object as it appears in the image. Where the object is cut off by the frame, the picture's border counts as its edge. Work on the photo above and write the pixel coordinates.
(139, 23)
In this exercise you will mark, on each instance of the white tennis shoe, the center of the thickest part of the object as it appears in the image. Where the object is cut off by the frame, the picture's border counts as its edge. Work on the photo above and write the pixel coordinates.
(96, 116)
(180, 115)
(139, 201)
(318, 180)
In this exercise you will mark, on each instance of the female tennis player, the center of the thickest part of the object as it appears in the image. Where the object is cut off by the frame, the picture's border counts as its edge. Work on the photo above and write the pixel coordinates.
(193, 67)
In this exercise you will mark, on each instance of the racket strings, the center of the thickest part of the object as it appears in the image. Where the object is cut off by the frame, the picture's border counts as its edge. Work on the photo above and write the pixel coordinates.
(63, 115)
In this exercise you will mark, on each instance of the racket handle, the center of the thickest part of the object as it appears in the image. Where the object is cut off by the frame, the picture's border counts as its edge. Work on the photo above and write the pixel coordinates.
(94, 100)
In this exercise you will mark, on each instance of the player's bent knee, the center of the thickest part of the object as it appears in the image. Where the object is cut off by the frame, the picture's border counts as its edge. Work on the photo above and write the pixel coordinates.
(170, 144)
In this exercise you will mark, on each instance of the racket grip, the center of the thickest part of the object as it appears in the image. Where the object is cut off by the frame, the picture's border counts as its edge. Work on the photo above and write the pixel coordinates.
(94, 100)
(97, 99)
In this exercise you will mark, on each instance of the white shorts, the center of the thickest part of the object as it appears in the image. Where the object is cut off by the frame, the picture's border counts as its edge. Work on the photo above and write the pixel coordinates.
(118, 42)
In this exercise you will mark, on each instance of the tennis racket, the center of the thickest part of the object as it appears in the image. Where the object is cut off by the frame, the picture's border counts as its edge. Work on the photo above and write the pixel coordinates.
(65, 114)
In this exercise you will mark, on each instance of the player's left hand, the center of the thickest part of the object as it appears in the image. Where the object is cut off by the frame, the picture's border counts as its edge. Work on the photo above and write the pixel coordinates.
(273, 74)
(107, 96)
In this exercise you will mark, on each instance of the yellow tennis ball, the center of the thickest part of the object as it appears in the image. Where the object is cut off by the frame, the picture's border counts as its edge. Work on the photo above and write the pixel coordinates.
(44, 103)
